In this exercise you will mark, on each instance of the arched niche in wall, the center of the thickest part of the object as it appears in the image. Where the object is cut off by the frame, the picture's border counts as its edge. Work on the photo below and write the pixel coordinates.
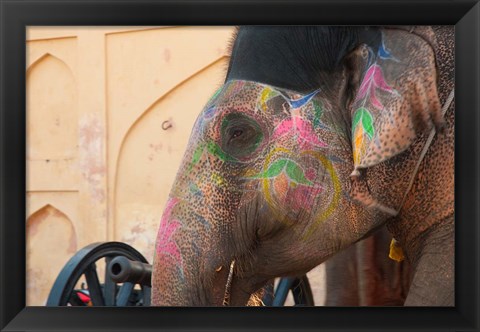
(51, 242)
(52, 117)
(150, 156)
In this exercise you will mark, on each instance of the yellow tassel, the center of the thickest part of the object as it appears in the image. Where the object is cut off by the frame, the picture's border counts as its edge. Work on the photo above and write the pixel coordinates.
(396, 252)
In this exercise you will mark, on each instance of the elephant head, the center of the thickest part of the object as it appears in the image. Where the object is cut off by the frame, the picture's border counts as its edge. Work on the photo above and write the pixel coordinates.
(308, 147)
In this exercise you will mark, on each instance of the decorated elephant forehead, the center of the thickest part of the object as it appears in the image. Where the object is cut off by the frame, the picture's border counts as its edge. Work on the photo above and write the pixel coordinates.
(254, 97)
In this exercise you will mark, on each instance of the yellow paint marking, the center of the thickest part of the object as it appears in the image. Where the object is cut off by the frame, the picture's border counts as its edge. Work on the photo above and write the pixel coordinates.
(218, 180)
(336, 192)
(360, 145)
(266, 183)
(333, 176)
(263, 98)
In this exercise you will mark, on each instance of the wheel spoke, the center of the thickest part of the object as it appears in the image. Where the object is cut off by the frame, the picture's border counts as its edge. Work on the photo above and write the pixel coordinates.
(282, 291)
(124, 294)
(298, 296)
(147, 296)
(109, 286)
(93, 283)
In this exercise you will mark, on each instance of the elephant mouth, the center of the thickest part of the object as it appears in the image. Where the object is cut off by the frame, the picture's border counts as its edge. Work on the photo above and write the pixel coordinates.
(242, 296)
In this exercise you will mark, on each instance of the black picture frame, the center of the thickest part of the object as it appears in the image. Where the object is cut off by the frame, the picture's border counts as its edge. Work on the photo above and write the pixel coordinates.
(16, 15)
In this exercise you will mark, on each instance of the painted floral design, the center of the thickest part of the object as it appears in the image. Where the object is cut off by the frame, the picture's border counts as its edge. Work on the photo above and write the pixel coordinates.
(384, 53)
(363, 121)
(293, 171)
(211, 148)
(372, 81)
(362, 127)
(266, 94)
(166, 247)
(302, 129)
(302, 100)
(317, 115)
(291, 184)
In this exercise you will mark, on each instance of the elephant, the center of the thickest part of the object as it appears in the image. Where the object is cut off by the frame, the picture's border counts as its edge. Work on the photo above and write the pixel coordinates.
(319, 136)
(364, 274)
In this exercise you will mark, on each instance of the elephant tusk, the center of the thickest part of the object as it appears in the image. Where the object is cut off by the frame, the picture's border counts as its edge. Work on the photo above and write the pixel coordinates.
(228, 285)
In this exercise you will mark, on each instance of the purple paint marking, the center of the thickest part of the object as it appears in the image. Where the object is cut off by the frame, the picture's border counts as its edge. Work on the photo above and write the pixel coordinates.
(208, 114)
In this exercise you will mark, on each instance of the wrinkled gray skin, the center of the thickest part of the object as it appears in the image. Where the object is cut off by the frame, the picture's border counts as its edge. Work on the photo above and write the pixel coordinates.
(364, 275)
(247, 192)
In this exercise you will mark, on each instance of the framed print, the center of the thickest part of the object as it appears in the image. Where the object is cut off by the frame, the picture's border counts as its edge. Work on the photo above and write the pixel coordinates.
(108, 105)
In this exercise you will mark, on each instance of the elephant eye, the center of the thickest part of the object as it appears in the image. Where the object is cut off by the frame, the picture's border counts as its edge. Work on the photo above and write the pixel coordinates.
(241, 135)
(237, 133)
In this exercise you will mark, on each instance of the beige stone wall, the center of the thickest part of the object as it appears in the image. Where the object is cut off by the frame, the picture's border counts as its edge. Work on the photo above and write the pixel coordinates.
(99, 165)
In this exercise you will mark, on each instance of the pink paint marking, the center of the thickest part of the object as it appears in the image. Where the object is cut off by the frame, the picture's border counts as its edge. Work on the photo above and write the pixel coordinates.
(303, 130)
(167, 248)
(373, 80)
(311, 174)
(283, 128)
(302, 197)
(307, 134)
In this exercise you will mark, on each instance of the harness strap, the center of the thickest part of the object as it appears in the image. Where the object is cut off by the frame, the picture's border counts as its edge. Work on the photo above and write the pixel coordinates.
(394, 212)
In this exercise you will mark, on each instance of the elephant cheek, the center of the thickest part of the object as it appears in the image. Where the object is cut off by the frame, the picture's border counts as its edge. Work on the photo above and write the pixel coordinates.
(297, 197)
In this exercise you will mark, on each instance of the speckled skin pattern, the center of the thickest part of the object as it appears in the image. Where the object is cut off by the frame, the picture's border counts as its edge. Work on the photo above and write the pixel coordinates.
(267, 177)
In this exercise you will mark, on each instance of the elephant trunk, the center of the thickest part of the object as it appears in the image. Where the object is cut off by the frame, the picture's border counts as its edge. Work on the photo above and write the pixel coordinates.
(188, 268)
(194, 287)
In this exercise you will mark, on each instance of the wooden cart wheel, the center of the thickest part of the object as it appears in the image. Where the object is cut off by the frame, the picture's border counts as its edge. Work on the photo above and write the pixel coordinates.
(83, 269)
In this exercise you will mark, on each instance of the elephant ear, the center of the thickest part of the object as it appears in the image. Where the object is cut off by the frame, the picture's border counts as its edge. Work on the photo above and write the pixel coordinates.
(396, 98)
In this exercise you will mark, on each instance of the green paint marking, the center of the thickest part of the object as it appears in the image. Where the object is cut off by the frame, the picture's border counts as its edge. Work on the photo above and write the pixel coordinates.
(215, 95)
(356, 117)
(292, 169)
(317, 111)
(275, 168)
(296, 173)
(367, 122)
(363, 116)
(197, 154)
(215, 150)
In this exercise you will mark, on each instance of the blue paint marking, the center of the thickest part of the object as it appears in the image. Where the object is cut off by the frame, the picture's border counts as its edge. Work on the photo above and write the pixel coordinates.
(334, 159)
(203, 221)
(296, 103)
(383, 53)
